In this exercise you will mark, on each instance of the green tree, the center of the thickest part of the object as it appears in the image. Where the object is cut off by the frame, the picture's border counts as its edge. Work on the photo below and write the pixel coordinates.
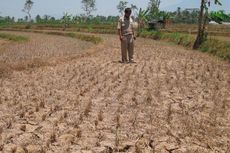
(142, 18)
(202, 22)
(27, 8)
(45, 18)
(26, 18)
(20, 20)
(165, 17)
(134, 9)
(154, 6)
(194, 16)
(88, 6)
(52, 20)
(121, 6)
(66, 20)
(38, 18)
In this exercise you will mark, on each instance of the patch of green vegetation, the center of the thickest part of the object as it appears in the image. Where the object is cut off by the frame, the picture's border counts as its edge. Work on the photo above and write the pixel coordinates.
(217, 48)
(84, 37)
(89, 38)
(12, 37)
(178, 38)
(96, 31)
(212, 46)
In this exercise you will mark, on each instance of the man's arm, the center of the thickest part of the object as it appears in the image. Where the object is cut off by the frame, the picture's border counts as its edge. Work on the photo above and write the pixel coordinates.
(120, 34)
(134, 36)
(133, 29)
(119, 30)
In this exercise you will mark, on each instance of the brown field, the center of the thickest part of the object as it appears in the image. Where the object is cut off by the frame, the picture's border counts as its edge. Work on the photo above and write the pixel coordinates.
(41, 46)
(221, 38)
(213, 30)
(172, 100)
(2, 43)
(210, 27)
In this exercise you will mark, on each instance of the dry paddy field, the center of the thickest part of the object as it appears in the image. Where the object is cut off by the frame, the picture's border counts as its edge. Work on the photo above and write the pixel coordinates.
(84, 101)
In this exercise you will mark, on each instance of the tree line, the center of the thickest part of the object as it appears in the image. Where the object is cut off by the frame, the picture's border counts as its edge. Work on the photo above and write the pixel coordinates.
(178, 16)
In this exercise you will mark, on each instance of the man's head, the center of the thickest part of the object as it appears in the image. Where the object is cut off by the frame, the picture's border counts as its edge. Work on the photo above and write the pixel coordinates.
(128, 12)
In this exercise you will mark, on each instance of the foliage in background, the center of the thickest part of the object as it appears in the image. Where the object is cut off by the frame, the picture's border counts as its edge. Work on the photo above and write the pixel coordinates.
(121, 6)
(142, 18)
(27, 8)
(88, 6)
(153, 7)
(66, 19)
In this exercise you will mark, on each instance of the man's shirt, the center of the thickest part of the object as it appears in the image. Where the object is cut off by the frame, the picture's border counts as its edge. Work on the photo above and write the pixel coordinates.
(125, 25)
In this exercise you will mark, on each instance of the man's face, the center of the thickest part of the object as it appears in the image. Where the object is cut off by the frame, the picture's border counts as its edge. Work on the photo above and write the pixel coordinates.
(127, 14)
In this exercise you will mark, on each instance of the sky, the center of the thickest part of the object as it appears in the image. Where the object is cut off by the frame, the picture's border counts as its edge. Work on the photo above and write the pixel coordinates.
(56, 8)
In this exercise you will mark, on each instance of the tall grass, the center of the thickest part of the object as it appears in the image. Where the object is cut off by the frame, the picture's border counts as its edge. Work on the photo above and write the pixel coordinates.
(12, 37)
(212, 46)
(217, 48)
(83, 37)
(90, 38)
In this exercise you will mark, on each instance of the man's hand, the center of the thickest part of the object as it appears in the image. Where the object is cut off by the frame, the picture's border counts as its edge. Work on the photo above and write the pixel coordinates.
(121, 37)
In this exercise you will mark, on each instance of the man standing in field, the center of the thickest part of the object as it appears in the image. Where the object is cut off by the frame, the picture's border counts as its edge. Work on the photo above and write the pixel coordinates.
(126, 33)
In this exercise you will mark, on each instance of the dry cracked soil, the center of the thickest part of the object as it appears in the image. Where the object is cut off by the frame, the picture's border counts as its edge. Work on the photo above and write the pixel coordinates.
(172, 100)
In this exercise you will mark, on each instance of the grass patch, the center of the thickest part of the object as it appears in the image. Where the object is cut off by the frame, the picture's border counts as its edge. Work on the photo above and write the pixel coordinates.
(93, 39)
(177, 38)
(217, 48)
(89, 38)
(212, 46)
(12, 37)
(83, 37)
(94, 30)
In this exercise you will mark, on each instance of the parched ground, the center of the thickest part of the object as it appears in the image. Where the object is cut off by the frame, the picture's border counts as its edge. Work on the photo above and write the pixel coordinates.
(171, 101)
(41, 46)
(2, 43)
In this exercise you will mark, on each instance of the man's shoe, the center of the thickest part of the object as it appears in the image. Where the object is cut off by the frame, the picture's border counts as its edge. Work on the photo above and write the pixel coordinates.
(123, 62)
(132, 61)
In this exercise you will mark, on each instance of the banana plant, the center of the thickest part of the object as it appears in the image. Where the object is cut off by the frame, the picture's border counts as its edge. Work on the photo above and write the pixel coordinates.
(166, 17)
(66, 20)
(217, 2)
(142, 18)
(218, 16)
